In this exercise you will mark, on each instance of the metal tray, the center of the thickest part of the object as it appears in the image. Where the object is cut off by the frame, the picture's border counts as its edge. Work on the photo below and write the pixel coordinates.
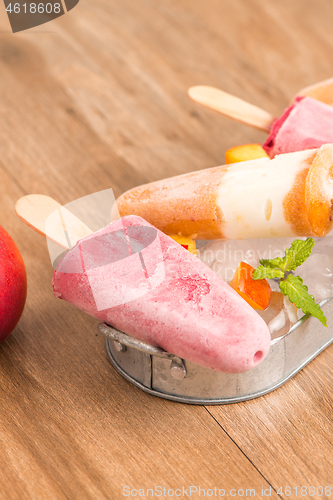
(165, 375)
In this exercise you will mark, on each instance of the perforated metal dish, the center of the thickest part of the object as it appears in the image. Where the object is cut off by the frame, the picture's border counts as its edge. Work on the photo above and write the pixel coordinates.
(162, 374)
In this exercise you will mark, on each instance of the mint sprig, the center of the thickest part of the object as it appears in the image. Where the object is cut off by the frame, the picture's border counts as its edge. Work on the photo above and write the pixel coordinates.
(292, 286)
(299, 251)
(298, 294)
(267, 272)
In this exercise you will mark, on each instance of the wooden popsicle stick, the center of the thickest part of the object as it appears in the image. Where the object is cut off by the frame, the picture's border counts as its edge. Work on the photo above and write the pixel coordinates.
(50, 219)
(232, 106)
(322, 91)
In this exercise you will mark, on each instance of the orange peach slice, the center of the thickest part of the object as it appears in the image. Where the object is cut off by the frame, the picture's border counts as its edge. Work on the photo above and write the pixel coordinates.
(187, 243)
(244, 153)
(257, 293)
(319, 191)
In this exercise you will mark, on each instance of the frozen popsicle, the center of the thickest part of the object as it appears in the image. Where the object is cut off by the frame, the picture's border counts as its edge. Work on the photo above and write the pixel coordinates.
(140, 281)
(290, 195)
(306, 124)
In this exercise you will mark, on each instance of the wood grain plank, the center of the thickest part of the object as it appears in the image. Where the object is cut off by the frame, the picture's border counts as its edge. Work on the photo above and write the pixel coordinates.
(287, 434)
(98, 99)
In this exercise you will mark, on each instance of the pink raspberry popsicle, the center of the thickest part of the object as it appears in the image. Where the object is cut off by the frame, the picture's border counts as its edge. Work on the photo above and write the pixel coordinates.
(306, 124)
(138, 280)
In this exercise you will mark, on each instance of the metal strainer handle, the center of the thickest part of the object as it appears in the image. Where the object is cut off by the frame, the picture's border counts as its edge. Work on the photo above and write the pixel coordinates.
(129, 341)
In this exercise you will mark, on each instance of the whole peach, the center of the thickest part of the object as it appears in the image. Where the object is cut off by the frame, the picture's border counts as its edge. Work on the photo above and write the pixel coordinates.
(13, 284)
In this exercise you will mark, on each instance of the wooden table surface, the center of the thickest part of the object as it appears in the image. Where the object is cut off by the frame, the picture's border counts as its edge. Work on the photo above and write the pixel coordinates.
(97, 99)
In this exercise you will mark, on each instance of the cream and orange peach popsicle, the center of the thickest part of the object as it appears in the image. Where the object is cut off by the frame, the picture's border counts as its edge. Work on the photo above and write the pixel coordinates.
(290, 195)
(140, 281)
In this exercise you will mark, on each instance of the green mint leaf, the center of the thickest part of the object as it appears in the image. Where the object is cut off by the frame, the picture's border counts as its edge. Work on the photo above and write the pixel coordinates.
(297, 254)
(276, 263)
(263, 272)
(298, 293)
(290, 285)
(294, 257)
